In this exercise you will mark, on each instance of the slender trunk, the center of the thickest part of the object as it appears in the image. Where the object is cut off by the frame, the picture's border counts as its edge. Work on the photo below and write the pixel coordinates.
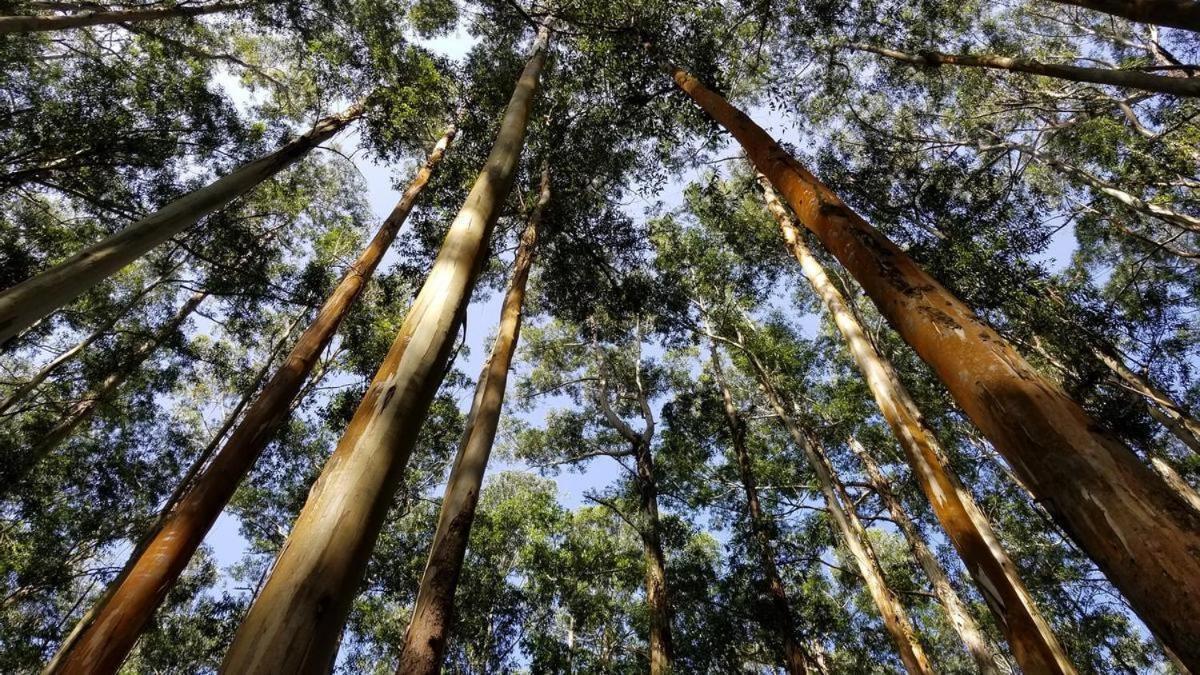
(1174, 13)
(1144, 536)
(101, 393)
(294, 624)
(1033, 644)
(106, 640)
(960, 617)
(847, 524)
(34, 298)
(20, 393)
(658, 599)
(780, 620)
(29, 24)
(1162, 406)
(424, 644)
(1179, 86)
(169, 504)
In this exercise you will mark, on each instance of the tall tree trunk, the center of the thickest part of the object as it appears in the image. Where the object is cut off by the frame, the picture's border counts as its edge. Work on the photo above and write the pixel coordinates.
(1179, 86)
(1174, 13)
(662, 653)
(101, 393)
(28, 24)
(1143, 535)
(36, 297)
(780, 619)
(107, 638)
(1162, 406)
(960, 617)
(847, 524)
(171, 501)
(424, 644)
(294, 624)
(1033, 644)
(20, 393)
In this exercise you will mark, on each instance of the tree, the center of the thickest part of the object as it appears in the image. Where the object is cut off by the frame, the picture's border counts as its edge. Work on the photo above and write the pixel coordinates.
(1164, 523)
(323, 553)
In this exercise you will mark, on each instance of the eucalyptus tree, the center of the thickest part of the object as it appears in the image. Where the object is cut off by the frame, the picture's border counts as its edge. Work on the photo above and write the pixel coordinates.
(324, 552)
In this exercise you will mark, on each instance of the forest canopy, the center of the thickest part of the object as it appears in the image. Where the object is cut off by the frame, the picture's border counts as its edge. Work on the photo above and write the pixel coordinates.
(574, 336)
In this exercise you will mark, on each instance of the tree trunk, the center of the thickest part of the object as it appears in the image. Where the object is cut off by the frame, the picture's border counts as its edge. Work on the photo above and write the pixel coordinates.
(795, 661)
(847, 524)
(1174, 13)
(658, 599)
(1162, 406)
(960, 617)
(101, 393)
(169, 504)
(28, 24)
(20, 393)
(1178, 86)
(294, 624)
(34, 298)
(1143, 535)
(1033, 644)
(114, 630)
(424, 644)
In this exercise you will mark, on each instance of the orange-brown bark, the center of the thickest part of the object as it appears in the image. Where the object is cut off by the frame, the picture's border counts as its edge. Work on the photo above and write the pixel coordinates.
(1142, 534)
(1033, 644)
(112, 631)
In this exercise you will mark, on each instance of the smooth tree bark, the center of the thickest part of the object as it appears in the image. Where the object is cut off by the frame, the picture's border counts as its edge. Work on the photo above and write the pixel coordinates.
(294, 624)
(424, 647)
(1143, 535)
(1034, 645)
(1174, 13)
(84, 408)
(106, 636)
(1134, 79)
(24, 304)
(49, 22)
(960, 617)
(29, 386)
(168, 506)
(781, 620)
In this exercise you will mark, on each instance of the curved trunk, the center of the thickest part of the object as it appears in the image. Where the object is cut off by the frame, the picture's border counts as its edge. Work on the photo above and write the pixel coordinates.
(1179, 86)
(24, 304)
(1033, 644)
(87, 406)
(658, 599)
(795, 661)
(1141, 534)
(424, 644)
(293, 625)
(1174, 13)
(29, 24)
(105, 640)
(960, 617)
